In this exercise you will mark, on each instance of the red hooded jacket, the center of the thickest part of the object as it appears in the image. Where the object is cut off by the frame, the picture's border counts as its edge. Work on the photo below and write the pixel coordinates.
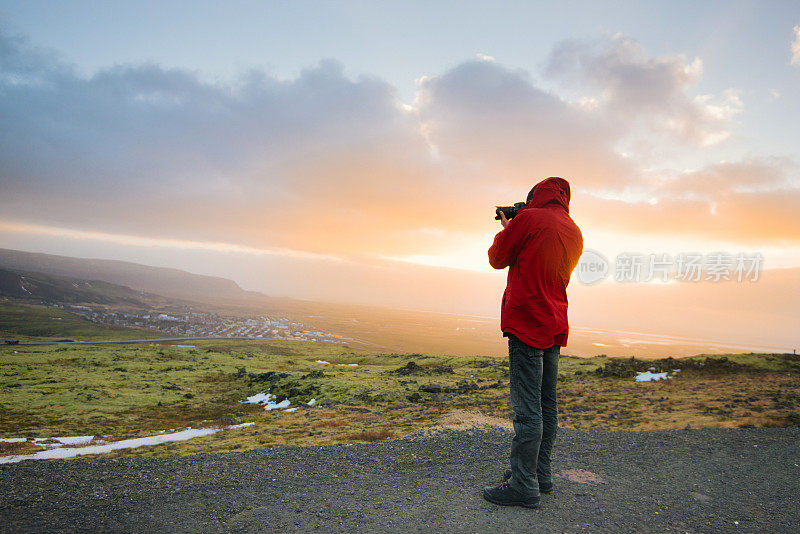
(541, 245)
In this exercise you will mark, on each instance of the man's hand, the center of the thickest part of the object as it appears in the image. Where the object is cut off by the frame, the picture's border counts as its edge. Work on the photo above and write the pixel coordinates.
(503, 219)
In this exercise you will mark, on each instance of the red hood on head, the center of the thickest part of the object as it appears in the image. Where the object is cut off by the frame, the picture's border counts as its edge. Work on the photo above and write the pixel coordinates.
(550, 190)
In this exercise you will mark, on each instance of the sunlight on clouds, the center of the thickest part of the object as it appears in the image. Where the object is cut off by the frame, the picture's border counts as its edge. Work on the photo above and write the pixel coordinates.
(458, 250)
(471, 254)
(725, 109)
(139, 241)
(796, 46)
(468, 261)
(463, 251)
(587, 103)
(330, 166)
(717, 110)
(643, 90)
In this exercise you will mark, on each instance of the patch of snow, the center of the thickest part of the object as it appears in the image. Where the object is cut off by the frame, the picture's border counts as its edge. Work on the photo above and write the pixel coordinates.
(291, 409)
(242, 425)
(283, 404)
(185, 346)
(347, 364)
(268, 400)
(259, 398)
(647, 376)
(38, 441)
(23, 288)
(71, 452)
(13, 440)
(322, 361)
(312, 402)
(74, 440)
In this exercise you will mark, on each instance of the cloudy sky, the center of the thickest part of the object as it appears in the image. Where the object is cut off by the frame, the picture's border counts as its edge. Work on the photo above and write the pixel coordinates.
(259, 140)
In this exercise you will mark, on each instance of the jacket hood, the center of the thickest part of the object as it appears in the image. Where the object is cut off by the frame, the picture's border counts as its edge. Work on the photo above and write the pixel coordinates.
(550, 190)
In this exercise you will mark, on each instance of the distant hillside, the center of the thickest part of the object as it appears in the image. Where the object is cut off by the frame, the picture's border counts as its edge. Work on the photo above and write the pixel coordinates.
(49, 288)
(160, 280)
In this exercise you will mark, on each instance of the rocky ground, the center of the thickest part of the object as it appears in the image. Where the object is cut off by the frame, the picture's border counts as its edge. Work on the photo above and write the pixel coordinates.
(707, 480)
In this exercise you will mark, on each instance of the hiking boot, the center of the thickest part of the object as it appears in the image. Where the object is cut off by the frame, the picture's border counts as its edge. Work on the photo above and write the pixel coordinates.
(505, 495)
(544, 487)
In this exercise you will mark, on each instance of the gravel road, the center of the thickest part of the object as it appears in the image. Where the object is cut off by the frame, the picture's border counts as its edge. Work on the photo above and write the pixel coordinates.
(742, 480)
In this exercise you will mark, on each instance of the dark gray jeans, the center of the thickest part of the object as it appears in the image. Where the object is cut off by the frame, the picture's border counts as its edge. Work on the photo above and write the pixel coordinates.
(533, 396)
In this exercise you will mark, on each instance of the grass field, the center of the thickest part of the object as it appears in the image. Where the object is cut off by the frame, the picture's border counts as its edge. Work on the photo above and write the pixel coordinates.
(27, 322)
(130, 391)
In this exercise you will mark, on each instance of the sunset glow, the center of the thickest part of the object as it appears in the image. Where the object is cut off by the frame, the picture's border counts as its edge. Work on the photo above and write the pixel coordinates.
(272, 153)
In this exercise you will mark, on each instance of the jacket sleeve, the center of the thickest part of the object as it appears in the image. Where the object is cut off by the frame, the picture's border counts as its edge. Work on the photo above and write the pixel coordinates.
(508, 243)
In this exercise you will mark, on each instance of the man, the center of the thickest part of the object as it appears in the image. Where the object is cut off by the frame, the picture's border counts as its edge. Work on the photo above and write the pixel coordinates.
(541, 246)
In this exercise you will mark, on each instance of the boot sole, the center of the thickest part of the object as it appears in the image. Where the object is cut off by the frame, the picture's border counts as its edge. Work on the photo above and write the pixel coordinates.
(516, 503)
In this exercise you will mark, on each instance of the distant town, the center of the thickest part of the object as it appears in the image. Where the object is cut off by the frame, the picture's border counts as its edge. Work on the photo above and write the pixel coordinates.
(199, 324)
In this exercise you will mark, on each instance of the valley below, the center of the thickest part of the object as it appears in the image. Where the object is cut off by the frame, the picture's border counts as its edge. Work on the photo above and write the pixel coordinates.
(291, 372)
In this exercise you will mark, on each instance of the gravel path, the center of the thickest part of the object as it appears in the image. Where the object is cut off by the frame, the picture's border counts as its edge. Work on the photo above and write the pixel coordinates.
(744, 480)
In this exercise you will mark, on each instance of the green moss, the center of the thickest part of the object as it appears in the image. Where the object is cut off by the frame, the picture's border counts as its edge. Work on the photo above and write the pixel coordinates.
(129, 391)
(49, 323)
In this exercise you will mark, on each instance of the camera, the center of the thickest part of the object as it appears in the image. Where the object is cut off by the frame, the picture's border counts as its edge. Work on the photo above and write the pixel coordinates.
(509, 211)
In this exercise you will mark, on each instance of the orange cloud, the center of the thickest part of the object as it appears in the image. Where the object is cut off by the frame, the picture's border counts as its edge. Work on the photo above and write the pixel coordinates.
(325, 164)
(760, 218)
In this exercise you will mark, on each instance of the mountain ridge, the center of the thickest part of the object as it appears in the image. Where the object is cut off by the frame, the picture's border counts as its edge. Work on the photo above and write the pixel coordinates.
(165, 281)
(28, 285)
